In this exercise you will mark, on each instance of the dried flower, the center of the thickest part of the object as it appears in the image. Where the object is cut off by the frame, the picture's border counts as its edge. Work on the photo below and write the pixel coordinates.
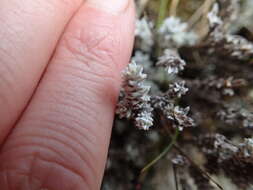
(236, 115)
(136, 104)
(238, 47)
(178, 116)
(225, 44)
(224, 85)
(171, 61)
(236, 161)
(176, 90)
(144, 119)
(223, 148)
(218, 145)
(134, 100)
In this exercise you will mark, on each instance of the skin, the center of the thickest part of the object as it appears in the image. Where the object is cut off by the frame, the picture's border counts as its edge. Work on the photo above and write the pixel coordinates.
(60, 65)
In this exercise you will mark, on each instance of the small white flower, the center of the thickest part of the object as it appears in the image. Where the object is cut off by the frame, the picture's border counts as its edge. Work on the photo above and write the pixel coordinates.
(173, 33)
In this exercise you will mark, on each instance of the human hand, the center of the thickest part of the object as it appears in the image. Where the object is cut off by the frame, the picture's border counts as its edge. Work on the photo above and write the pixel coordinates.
(60, 64)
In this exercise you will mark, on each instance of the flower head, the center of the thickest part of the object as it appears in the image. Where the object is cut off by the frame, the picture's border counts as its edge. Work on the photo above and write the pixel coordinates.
(174, 33)
(134, 99)
(171, 61)
(178, 116)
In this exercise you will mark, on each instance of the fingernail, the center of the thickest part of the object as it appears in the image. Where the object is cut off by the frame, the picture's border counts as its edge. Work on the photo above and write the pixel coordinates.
(111, 6)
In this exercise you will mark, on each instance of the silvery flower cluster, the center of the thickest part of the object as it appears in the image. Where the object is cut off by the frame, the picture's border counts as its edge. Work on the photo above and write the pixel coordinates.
(171, 61)
(143, 59)
(178, 116)
(173, 33)
(238, 47)
(219, 146)
(224, 43)
(165, 103)
(236, 115)
(226, 86)
(223, 148)
(143, 32)
(177, 90)
(134, 98)
(136, 104)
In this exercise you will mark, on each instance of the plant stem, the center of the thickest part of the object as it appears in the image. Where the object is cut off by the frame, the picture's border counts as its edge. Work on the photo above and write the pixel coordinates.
(173, 7)
(162, 12)
(197, 167)
(163, 153)
(200, 12)
(175, 175)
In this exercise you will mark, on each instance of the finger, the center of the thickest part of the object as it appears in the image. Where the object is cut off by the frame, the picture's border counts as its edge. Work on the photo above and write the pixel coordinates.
(61, 142)
(29, 31)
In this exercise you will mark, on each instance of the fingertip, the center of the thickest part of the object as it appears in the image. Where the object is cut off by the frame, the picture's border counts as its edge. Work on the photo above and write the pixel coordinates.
(71, 113)
(111, 6)
(120, 18)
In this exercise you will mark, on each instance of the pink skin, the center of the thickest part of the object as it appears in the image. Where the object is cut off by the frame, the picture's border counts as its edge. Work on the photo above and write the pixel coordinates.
(61, 138)
(29, 31)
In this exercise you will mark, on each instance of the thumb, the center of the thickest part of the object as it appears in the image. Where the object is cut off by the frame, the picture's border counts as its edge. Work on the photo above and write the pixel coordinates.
(61, 141)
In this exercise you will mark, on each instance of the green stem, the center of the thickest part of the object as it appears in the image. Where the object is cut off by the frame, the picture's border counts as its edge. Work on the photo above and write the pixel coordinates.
(163, 153)
(162, 12)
